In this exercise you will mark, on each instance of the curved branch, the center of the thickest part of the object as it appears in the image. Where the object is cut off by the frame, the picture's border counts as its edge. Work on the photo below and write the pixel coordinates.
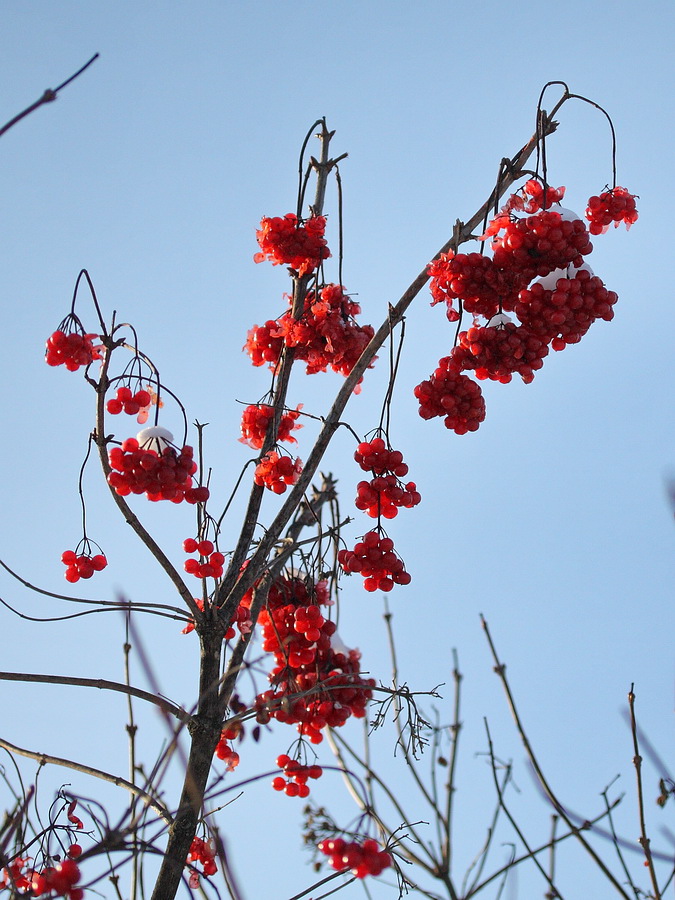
(103, 685)
(48, 97)
(44, 758)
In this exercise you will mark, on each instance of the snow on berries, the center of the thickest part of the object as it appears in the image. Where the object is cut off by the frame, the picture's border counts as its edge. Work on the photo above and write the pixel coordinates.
(615, 205)
(210, 563)
(375, 559)
(256, 419)
(82, 565)
(276, 472)
(362, 858)
(562, 307)
(287, 241)
(161, 472)
(535, 245)
(295, 777)
(72, 349)
(498, 350)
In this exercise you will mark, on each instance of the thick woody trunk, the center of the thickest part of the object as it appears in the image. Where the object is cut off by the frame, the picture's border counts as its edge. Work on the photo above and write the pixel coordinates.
(205, 733)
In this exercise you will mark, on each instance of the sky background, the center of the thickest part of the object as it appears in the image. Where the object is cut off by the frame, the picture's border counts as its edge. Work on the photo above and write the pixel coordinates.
(153, 170)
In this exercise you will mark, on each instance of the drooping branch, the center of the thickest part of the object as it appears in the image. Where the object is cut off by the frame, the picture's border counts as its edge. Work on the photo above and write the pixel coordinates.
(103, 685)
(45, 758)
(48, 97)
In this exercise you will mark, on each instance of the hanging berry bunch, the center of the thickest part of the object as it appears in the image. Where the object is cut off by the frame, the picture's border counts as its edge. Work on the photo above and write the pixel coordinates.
(256, 419)
(201, 851)
(164, 473)
(320, 668)
(616, 205)
(287, 241)
(71, 347)
(133, 404)
(82, 562)
(276, 472)
(363, 859)
(295, 777)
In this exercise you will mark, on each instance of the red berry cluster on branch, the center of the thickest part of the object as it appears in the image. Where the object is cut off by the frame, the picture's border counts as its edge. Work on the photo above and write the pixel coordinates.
(295, 777)
(227, 753)
(535, 245)
(72, 349)
(256, 419)
(82, 565)
(276, 472)
(325, 672)
(384, 494)
(374, 558)
(362, 858)
(125, 401)
(201, 851)
(325, 336)
(534, 196)
(59, 880)
(211, 561)
(286, 241)
(474, 279)
(497, 351)
(562, 307)
(452, 396)
(615, 206)
(162, 474)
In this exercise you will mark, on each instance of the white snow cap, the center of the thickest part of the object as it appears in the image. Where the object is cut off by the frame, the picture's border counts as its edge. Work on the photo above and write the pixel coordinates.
(337, 645)
(162, 437)
(550, 281)
(499, 319)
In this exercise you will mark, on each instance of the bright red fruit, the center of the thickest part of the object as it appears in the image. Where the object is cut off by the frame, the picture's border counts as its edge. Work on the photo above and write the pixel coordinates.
(286, 241)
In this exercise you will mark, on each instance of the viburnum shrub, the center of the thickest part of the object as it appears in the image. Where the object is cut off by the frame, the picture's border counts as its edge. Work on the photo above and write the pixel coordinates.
(266, 616)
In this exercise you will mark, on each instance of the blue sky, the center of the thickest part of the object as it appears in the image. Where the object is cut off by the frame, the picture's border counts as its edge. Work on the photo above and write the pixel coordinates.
(152, 171)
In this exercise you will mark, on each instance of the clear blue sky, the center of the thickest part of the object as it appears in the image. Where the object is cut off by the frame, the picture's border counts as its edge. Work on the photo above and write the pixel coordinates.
(153, 169)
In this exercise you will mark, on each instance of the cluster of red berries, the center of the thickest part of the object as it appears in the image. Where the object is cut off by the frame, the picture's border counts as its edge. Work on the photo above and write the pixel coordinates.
(530, 240)
(201, 851)
(295, 777)
(83, 565)
(384, 494)
(533, 246)
(125, 401)
(363, 859)
(287, 241)
(474, 279)
(615, 206)
(255, 421)
(227, 753)
(561, 308)
(72, 350)
(498, 350)
(325, 336)
(452, 396)
(161, 474)
(374, 558)
(210, 564)
(276, 472)
(324, 671)
(59, 880)
(533, 196)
